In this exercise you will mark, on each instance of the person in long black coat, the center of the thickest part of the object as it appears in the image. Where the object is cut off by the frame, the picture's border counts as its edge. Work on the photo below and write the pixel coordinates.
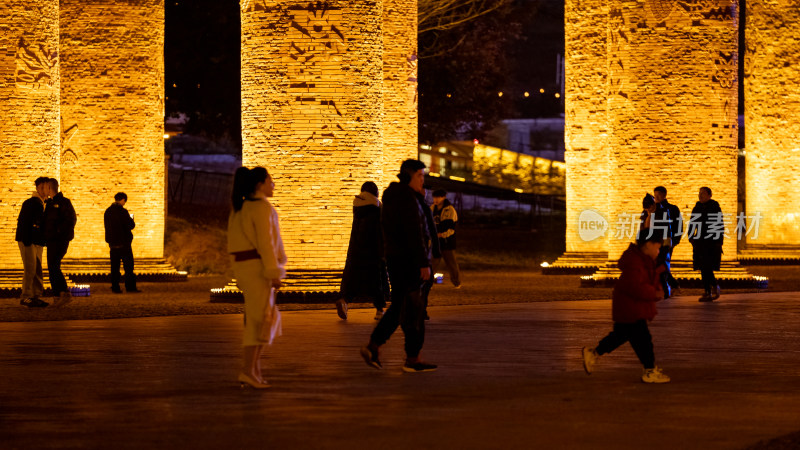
(365, 275)
(706, 232)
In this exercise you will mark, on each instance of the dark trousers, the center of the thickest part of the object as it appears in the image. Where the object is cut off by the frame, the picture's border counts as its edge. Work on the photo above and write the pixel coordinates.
(668, 282)
(55, 253)
(124, 255)
(709, 280)
(449, 257)
(637, 334)
(408, 308)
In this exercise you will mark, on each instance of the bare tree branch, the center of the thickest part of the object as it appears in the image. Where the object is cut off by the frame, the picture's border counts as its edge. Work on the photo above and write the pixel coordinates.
(439, 15)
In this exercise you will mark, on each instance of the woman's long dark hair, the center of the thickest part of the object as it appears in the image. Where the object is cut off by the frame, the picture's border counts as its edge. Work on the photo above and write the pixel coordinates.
(244, 183)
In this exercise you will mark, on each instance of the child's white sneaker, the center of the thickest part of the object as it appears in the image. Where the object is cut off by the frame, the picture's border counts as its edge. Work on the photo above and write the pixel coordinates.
(654, 375)
(589, 359)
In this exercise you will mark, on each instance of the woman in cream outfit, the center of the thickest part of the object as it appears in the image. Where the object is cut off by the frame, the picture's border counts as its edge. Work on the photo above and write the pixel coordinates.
(254, 241)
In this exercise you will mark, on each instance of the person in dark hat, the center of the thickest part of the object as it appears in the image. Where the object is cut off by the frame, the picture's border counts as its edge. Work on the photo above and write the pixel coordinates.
(410, 243)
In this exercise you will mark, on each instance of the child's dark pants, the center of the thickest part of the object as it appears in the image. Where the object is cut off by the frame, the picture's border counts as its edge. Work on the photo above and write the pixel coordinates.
(637, 334)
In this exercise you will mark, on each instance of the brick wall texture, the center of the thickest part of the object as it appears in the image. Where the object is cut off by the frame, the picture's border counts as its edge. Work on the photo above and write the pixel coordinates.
(112, 106)
(312, 107)
(672, 107)
(399, 86)
(586, 121)
(772, 120)
(29, 109)
(669, 94)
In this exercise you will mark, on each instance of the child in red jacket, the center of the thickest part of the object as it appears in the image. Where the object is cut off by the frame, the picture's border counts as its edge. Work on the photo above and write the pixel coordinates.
(633, 304)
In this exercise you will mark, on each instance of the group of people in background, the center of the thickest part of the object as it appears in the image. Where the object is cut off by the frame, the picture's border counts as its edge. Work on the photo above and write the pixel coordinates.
(393, 244)
(705, 232)
(365, 275)
(48, 219)
(646, 277)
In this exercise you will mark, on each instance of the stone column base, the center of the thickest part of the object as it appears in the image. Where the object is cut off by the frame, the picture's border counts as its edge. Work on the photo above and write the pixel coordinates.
(576, 263)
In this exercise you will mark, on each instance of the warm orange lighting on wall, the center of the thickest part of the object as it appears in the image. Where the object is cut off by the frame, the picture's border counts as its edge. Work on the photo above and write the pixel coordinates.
(630, 126)
(312, 110)
(29, 110)
(112, 107)
(400, 137)
(772, 123)
(661, 132)
(586, 122)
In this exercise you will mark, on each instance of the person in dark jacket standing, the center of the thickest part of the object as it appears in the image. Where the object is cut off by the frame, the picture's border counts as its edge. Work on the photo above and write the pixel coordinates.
(118, 224)
(655, 219)
(410, 243)
(706, 231)
(59, 230)
(30, 238)
(675, 233)
(633, 304)
(445, 218)
(364, 273)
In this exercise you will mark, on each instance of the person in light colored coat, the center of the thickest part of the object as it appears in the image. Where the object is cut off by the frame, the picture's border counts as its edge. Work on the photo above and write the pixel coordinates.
(259, 261)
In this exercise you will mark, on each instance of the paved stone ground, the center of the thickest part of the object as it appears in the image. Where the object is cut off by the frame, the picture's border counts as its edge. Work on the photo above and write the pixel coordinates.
(481, 287)
(510, 377)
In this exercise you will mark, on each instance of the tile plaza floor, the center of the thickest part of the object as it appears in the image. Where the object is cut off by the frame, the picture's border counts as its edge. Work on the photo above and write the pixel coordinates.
(510, 377)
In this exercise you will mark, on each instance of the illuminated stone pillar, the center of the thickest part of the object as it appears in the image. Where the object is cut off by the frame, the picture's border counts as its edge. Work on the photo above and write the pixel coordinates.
(311, 114)
(29, 109)
(585, 134)
(672, 108)
(400, 131)
(772, 126)
(112, 107)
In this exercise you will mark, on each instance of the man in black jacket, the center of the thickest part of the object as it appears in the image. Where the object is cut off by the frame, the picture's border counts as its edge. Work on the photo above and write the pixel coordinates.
(669, 283)
(59, 229)
(119, 223)
(30, 238)
(706, 232)
(411, 243)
